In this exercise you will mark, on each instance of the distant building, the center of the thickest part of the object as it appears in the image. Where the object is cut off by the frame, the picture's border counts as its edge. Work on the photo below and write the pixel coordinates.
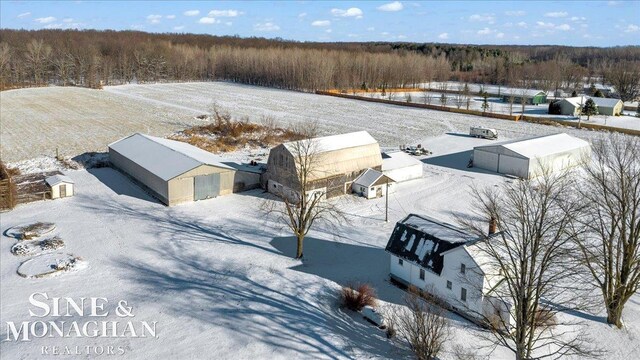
(175, 172)
(401, 166)
(445, 261)
(61, 186)
(337, 161)
(371, 184)
(606, 106)
(528, 158)
(531, 97)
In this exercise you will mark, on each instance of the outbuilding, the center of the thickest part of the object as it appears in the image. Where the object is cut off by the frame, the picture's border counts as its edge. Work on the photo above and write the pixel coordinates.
(401, 166)
(176, 172)
(531, 97)
(606, 106)
(60, 186)
(529, 158)
(372, 184)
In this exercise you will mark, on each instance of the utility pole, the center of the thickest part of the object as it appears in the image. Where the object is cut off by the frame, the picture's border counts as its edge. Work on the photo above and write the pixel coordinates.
(386, 202)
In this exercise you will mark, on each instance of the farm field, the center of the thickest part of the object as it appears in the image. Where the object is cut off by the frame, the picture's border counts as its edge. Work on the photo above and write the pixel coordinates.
(77, 120)
(219, 288)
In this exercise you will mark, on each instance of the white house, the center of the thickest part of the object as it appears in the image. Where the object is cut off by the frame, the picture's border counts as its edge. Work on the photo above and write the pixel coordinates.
(445, 261)
(60, 185)
(371, 184)
(401, 166)
(528, 158)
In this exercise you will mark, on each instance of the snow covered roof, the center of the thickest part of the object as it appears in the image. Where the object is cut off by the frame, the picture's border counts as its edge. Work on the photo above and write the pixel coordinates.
(337, 142)
(369, 177)
(422, 240)
(397, 160)
(163, 157)
(600, 102)
(538, 146)
(58, 179)
(519, 92)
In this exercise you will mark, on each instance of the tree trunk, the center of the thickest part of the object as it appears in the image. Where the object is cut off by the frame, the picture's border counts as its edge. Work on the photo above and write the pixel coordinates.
(614, 313)
(299, 250)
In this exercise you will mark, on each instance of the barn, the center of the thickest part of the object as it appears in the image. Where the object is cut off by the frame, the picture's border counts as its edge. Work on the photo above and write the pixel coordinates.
(527, 158)
(336, 162)
(175, 172)
(401, 166)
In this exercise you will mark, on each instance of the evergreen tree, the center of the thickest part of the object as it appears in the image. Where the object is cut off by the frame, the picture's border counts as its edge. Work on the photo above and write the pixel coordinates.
(589, 108)
(574, 93)
(598, 93)
(485, 102)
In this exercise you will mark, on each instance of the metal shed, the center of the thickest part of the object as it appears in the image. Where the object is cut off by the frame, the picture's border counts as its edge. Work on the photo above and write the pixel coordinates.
(528, 158)
(60, 185)
(173, 171)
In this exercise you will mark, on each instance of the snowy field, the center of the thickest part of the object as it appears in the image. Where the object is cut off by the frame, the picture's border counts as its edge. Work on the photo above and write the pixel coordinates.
(36, 121)
(220, 288)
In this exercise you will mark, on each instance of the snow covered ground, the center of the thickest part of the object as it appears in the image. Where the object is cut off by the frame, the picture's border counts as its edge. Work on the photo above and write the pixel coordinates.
(77, 120)
(218, 277)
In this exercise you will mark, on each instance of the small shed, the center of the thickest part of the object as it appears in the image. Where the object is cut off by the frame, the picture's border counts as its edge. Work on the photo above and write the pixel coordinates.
(60, 185)
(531, 97)
(401, 166)
(371, 184)
(528, 158)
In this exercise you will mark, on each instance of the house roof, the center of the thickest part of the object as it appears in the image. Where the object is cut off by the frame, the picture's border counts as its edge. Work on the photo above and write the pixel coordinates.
(422, 240)
(538, 146)
(337, 142)
(397, 160)
(370, 177)
(600, 102)
(520, 92)
(163, 157)
(58, 179)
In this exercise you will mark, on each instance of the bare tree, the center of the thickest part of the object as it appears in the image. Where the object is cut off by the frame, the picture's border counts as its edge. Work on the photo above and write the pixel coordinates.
(530, 265)
(626, 79)
(421, 324)
(611, 243)
(305, 205)
(37, 56)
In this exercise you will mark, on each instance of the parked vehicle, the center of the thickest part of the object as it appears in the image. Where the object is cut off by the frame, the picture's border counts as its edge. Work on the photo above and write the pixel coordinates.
(415, 150)
(483, 132)
(373, 316)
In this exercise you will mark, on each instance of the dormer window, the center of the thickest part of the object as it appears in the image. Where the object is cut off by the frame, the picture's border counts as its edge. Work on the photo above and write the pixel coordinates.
(400, 262)
(463, 269)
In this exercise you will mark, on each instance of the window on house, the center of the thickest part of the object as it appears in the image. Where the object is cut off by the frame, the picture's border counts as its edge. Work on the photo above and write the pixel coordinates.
(463, 269)
(421, 274)
(400, 262)
(449, 285)
(463, 294)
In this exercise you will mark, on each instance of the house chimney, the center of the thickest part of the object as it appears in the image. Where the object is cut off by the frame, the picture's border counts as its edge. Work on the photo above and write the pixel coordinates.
(493, 224)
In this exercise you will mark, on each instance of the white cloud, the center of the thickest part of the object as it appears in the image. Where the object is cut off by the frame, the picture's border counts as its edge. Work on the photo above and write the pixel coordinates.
(384, 33)
(499, 35)
(557, 14)
(515, 13)
(632, 28)
(154, 19)
(178, 28)
(302, 15)
(563, 27)
(20, 16)
(392, 6)
(544, 25)
(613, 3)
(371, 28)
(353, 35)
(483, 18)
(578, 18)
(67, 20)
(267, 26)
(321, 23)
(170, 17)
(443, 36)
(350, 12)
(224, 13)
(208, 20)
(485, 31)
(191, 13)
(328, 31)
(522, 24)
(45, 20)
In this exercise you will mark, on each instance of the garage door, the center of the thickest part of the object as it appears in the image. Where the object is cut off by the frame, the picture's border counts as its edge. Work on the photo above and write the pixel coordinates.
(206, 186)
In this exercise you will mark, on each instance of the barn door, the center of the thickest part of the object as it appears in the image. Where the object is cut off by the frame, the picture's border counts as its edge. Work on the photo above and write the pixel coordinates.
(206, 186)
(63, 190)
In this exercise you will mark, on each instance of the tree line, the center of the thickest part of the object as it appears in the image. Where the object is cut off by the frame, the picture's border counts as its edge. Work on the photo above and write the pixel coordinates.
(93, 58)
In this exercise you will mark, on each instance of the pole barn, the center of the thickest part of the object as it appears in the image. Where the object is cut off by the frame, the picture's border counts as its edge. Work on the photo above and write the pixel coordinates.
(528, 158)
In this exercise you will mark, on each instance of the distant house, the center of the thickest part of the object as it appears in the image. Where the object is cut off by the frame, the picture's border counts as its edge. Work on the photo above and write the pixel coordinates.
(531, 97)
(528, 158)
(176, 172)
(606, 106)
(445, 261)
(401, 166)
(61, 186)
(337, 161)
(371, 184)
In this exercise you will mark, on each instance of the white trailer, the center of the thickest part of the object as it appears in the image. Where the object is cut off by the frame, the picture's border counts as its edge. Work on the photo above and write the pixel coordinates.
(483, 132)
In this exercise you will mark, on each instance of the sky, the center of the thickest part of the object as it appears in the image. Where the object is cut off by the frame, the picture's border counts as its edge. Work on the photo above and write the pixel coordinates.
(573, 23)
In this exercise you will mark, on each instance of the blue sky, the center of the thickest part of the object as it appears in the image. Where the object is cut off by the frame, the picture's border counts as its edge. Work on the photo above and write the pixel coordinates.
(577, 23)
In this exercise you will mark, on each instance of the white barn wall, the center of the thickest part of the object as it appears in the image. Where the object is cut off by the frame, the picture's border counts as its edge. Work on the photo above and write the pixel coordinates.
(485, 160)
(405, 173)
